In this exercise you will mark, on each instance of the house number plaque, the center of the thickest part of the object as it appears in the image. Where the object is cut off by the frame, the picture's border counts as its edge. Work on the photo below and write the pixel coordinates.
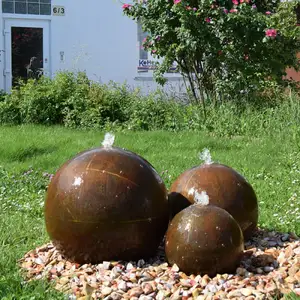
(58, 10)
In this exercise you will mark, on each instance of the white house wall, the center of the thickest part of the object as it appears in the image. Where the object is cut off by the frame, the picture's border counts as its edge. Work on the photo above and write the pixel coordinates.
(94, 36)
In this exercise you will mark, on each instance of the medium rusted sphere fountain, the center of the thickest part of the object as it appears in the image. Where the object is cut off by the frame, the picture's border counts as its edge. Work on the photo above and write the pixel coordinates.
(106, 204)
(204, 240)
(224, 188)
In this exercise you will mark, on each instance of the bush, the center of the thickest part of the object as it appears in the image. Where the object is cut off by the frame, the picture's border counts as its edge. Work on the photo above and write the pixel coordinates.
(73, 101)
(2, 96)
(10, 112)
(226, 48)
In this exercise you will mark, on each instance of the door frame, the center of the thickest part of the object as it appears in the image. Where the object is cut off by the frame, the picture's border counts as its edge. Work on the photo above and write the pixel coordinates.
(24, 22)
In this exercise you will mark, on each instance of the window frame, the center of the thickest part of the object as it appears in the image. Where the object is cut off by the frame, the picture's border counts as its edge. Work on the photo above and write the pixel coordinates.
(30, 5)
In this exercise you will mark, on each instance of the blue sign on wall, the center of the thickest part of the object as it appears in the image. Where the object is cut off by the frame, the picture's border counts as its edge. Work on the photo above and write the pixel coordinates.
(147, 64)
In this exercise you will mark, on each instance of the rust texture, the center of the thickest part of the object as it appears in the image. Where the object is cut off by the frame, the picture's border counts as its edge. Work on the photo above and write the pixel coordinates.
(204, 240)
(106, 204)
(225, 188)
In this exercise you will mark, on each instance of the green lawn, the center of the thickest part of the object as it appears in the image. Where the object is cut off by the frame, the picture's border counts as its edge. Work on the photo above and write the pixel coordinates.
(271, 165)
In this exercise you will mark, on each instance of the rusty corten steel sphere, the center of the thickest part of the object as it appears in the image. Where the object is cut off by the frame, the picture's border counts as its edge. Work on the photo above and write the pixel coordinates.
(224, 187)
(106, 204)
(204, 240)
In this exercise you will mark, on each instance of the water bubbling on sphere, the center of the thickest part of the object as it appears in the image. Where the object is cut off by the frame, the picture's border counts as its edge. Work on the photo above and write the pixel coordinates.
(109, 140)
(206, 156)
(201, 198)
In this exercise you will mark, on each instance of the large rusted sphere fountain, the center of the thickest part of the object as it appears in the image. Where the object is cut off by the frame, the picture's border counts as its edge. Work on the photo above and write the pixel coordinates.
(204, 240)
(106, 204)
(224, 187)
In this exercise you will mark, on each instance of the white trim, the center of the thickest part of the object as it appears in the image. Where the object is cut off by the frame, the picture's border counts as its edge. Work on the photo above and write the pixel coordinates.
(148, 78)
(26, 16)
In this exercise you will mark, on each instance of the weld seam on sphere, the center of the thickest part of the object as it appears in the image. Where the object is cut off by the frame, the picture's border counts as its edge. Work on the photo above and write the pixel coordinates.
(113, 174)
(225, 187)
(204, 240)
(106, 204)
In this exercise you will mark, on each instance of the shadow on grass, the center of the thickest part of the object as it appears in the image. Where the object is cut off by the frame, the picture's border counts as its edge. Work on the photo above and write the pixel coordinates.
(30, 152)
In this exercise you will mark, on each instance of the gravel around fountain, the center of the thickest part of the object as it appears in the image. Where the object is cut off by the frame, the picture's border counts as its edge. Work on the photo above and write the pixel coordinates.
(270, 268)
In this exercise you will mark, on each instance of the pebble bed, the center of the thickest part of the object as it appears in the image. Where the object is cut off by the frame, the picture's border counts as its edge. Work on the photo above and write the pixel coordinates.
(270, 268)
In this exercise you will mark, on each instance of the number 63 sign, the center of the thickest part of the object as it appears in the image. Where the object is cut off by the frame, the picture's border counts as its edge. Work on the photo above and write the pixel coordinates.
(58, 10)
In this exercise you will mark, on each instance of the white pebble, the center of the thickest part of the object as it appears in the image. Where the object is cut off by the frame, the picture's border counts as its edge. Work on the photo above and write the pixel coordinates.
(297, 251)
(212, 288)
(143, 297)
(106, 291)
(122, 286)
(129, 266)
(106, 265)
(38, 261)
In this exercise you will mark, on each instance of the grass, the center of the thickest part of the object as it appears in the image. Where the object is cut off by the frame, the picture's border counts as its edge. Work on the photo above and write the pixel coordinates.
(29, 153)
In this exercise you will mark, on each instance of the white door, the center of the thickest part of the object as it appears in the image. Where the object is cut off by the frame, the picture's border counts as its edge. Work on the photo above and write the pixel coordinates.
(25, 39)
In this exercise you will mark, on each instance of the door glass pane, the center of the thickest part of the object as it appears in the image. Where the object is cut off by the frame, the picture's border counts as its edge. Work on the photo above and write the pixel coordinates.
(27, 53)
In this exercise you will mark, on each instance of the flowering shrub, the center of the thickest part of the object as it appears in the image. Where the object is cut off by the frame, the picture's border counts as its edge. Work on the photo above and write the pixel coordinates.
(227, 48)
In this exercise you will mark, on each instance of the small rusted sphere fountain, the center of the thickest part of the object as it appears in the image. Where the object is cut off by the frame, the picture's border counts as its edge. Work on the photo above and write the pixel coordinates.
(204, 240)
(106, 204)
(224, 187)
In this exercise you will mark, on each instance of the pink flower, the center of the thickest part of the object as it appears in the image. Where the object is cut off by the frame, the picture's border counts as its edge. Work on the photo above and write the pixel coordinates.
(235, 2)
(194, 8)
(154, 51)
(208, 20)
(253, 6)
(188, 8)
(233, 10)
(225, 11)
(268, 13)
(271, 32)
(177, 1)
(126, 6)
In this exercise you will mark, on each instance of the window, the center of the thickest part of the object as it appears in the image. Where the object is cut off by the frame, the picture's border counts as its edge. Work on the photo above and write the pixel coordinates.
(146, 62)
(30, 7)
(143, 54)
